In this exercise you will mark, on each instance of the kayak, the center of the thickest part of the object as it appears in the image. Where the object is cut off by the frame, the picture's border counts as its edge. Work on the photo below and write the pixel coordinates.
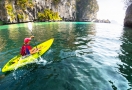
(20, 61)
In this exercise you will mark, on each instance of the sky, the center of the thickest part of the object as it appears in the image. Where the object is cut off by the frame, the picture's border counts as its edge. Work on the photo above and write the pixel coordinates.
(114, 10)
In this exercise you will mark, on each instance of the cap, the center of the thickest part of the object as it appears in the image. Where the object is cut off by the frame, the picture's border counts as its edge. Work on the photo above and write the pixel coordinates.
(26, 40)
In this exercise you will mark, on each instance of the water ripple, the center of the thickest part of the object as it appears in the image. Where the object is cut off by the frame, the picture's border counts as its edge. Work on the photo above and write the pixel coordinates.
(84, 56)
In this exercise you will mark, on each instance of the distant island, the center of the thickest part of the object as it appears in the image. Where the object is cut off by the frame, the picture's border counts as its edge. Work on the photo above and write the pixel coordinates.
(102, 21)
(97, 20)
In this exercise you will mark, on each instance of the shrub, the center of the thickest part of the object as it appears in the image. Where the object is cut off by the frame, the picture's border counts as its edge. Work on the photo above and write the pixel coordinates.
(10, 12)
(23, 4)
(20, 16)
(48, 15)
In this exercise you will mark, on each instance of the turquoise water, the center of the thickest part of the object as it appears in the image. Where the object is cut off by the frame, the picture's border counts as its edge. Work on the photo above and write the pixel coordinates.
(84, 56)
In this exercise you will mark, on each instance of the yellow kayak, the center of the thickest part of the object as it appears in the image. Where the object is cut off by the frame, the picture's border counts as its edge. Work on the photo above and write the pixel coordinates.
(19, 61)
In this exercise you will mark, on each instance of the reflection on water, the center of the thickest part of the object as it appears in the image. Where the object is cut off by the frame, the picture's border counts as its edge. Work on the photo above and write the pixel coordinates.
(126, 55)
(84, 56)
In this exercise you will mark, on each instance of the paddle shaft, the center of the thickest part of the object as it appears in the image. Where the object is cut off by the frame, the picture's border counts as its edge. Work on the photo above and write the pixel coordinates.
(34, 42)
(30, 28)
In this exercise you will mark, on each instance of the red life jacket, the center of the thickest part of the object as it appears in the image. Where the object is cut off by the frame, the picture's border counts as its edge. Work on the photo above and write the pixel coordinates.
(25, 50)
(22, 51)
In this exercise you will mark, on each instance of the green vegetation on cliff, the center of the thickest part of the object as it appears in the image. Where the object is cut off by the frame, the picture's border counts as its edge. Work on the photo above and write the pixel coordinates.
(29, 10)
(19, 11)
(23, 4)
(1, 23)
(20, 16)
(48, 15)
(10, 12)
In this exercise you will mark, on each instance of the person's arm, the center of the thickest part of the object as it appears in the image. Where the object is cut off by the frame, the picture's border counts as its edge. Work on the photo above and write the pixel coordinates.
(34, 50)
(31, 37)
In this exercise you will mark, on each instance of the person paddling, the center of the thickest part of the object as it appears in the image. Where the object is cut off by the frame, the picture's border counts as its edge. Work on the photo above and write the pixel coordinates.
(26, 49)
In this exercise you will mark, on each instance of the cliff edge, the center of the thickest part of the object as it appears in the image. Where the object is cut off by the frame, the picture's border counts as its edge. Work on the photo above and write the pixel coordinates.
(15, 11)
(128, 17)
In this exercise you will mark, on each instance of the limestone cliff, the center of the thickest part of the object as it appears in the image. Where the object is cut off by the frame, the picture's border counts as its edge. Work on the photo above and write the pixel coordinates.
(128, 17)
(3, 13)
(86, 10)
(15, 11)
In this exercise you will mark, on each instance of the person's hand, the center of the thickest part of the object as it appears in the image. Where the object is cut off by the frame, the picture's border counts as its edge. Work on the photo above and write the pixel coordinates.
(38, 50)
(32, 37)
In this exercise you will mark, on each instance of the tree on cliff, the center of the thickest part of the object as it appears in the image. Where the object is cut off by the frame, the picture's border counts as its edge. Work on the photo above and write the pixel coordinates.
(127, 2)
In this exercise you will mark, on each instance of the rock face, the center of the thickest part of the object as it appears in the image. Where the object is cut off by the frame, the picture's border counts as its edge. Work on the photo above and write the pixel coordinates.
(86, 10)
(15, 11)
(3, 14)
(128, 17)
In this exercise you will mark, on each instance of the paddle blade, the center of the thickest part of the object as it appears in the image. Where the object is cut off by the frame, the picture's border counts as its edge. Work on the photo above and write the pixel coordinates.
(30, 26)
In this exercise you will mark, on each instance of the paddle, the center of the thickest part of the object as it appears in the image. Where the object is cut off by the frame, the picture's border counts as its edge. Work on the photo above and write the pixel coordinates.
(30, 28)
